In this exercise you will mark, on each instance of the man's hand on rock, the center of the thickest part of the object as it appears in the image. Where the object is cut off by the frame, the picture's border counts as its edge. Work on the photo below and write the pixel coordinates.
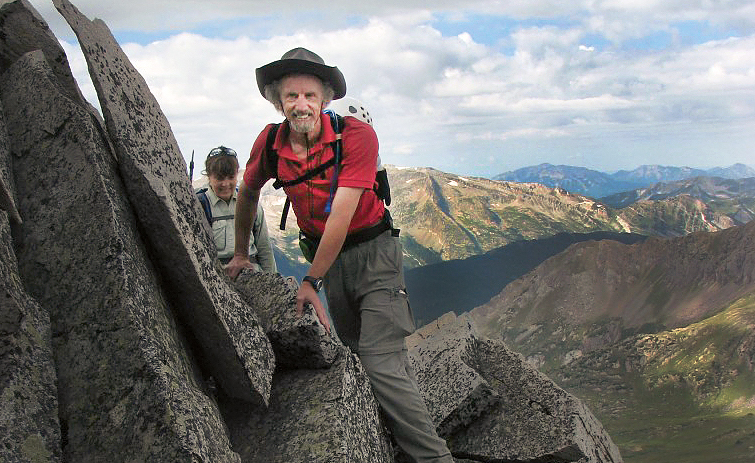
(236, 264)
(307, 294)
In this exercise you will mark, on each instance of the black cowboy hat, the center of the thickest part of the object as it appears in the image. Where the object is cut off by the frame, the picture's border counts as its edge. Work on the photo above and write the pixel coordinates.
(301, 61)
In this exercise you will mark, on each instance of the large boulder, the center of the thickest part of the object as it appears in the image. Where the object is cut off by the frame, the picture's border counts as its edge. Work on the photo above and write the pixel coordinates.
(231, 340)
(315, 416)
(298, 341)
(531, 418)
(127, 382)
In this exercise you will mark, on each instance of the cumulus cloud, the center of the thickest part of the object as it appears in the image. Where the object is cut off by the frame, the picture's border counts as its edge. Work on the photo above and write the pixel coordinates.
(556, 80)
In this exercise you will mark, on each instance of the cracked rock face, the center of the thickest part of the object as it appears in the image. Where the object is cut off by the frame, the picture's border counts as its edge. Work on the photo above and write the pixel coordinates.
(115, 339)
(29, 423)
(316, 416)
(455, 393)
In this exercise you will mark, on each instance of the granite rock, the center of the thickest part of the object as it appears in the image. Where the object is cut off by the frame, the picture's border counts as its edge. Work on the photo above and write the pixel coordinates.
(298, 341)
(315, 416)
(22, 30)
(124, 366)
(29, 425)
(455, 393)
(532, 419)
(232, 342)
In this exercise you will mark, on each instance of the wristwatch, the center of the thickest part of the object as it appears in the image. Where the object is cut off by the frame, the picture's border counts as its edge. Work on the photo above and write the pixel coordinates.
(315, 282)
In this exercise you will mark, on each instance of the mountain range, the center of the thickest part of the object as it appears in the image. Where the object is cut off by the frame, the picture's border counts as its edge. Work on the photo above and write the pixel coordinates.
(657, 336)
(596, 184)
(445, 216)
(733, 197)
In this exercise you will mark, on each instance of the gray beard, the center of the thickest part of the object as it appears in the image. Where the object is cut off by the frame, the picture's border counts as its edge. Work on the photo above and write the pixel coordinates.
(301, 126)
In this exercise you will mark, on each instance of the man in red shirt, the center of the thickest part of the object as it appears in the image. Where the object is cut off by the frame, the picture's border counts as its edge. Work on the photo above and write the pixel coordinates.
(359, 256)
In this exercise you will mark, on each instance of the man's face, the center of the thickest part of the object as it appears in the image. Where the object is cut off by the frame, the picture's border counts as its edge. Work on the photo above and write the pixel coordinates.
(301, 98)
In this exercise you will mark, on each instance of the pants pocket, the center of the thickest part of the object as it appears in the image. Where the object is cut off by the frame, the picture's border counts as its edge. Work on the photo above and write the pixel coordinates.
(403, 318)
(385, 320)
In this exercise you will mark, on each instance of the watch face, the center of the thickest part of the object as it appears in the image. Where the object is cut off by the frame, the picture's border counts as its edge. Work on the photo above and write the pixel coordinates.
(315, 282)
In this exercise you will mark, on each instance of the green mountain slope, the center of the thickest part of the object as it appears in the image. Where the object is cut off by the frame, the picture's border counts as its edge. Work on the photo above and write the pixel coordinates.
(686, 395)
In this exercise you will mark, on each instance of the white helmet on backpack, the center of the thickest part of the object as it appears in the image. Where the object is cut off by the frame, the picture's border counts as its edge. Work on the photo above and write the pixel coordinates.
(348, 106)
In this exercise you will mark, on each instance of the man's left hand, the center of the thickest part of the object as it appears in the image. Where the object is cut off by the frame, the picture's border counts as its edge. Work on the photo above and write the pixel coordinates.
(307, 294)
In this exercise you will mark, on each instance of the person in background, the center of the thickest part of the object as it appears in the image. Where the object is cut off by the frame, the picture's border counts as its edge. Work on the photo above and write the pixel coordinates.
(358, 257)
(219, 203)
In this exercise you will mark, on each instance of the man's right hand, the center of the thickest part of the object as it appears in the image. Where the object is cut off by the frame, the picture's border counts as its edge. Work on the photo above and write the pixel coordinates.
(236, 264)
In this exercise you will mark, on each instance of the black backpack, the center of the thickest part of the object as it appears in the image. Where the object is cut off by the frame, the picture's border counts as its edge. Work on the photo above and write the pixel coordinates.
(383, 189)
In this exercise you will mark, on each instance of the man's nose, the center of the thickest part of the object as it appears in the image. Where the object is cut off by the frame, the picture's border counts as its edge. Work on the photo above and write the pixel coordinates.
(302, 102)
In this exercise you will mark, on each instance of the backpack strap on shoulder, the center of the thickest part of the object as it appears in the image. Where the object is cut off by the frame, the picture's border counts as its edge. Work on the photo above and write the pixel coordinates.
(271, 155)
(271, 166)
(205, 202)
(271, 158)
(336, 121)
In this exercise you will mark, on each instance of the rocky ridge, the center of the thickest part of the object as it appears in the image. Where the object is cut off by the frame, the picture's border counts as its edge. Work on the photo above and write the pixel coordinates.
(122, 340)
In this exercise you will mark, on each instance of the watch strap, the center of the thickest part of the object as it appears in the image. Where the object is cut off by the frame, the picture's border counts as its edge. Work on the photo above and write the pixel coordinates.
(315, 282)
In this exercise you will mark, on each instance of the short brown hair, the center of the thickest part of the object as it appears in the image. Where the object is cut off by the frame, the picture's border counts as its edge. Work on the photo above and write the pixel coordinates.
(221, 166)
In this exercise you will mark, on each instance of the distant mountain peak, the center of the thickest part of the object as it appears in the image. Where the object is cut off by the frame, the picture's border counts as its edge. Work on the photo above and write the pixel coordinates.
(598, 184)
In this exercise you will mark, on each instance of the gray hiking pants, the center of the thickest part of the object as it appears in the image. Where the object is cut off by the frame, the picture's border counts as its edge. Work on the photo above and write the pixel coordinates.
(370, 310)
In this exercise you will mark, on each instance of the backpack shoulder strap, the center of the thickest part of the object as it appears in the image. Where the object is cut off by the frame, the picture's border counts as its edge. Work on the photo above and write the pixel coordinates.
(271, 155)
(271, 165)
(205, 201)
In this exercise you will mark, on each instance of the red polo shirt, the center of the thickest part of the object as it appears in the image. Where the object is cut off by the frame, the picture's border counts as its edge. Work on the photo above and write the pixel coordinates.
(308, 199)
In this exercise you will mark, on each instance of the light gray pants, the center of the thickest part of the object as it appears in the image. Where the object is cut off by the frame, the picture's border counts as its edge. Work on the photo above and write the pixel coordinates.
(368, 303)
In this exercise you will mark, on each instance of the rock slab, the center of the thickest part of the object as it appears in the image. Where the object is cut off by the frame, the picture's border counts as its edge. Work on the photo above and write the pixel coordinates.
(315, 416)
(455, 393)
(29, 426)
(231, 340)
(526, 417)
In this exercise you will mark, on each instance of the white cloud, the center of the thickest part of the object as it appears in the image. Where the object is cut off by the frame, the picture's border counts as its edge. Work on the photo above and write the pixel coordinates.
(535, 93)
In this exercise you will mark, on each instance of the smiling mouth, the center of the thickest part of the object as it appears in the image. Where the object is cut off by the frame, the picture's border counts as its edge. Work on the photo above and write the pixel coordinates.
(298, 115)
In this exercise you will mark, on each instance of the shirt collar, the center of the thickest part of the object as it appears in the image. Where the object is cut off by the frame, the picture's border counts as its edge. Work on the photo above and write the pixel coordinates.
(215, 198)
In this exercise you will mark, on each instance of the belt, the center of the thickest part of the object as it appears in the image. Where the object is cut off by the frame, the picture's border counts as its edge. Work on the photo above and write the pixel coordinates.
(365, 234)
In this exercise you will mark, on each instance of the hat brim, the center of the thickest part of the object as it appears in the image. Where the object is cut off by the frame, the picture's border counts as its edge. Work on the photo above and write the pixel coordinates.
(269, 73)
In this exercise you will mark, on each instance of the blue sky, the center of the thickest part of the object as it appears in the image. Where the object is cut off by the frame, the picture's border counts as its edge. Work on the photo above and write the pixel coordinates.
(473, 88)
